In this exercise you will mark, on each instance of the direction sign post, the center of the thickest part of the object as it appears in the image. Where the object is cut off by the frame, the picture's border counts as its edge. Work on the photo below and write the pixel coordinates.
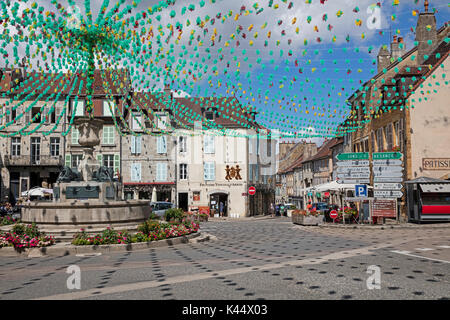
(353, 156)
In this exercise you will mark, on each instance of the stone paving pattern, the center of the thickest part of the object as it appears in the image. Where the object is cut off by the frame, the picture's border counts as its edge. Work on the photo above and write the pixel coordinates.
(250, 260)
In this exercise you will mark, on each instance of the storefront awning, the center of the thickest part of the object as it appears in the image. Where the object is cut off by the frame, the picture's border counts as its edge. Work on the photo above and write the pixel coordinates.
(436, 188)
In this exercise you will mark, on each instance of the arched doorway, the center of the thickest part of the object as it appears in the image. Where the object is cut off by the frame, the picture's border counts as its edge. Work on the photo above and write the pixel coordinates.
(218, 203)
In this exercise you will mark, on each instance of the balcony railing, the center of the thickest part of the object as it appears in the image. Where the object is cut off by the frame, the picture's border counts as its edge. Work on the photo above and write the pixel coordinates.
(28, 160)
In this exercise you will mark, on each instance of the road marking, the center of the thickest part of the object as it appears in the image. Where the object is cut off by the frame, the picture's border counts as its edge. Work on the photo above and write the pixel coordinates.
(95, 292)
(424, 249)
(407, 253)
(88, 254)
(444, 247)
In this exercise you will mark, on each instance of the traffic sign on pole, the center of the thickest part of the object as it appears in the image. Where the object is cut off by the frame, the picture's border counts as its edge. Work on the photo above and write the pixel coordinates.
(333, 214)
(387, 194)
(387, 169)
(353, 163)
(252, 191)
(387, 162)
(353, 156)
(388, 186)
(361, 190)
(386, 155)
(387, 174)
(388, 179)
(351, 170)
(354, 175)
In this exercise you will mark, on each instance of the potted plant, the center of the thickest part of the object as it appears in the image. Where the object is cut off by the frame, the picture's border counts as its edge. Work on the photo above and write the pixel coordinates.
(307, 218)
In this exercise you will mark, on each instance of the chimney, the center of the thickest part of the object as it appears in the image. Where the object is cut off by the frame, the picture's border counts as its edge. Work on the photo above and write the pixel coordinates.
(426, 35)
(397, 48)
(168, 92)
(384, 58)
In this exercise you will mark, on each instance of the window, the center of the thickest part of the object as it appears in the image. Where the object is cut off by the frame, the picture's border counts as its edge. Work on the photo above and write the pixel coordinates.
(54, 146)
(108, 161)
(401, 133)
(75, 135)
(35, 150)
(136, 121)
(136, 143)
(108, 135)
(15, 146)
(161, 172)
(161, 145)
(136, 172)
(161, 121)
(209, 115)
(380, 142)
(183, 171)
(108, 107)
(389, 137)
(78, 108)
(208, 146)
(76, 159)
(183, 144)
(53, 115)
(36, 115)
(209, 171)
(372, 137)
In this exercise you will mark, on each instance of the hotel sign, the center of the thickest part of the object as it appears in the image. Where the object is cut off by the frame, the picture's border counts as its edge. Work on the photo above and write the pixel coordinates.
(436, 163)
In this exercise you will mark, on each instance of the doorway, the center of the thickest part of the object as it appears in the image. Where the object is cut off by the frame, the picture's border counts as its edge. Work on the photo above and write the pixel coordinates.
(183, 201)
(215, 202)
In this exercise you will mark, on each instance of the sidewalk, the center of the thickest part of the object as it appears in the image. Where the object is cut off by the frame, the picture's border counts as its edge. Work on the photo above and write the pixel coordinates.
(387, 226)
(253, 218)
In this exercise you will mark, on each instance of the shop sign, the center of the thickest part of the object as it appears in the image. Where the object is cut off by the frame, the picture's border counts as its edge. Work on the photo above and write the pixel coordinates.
(436, 164)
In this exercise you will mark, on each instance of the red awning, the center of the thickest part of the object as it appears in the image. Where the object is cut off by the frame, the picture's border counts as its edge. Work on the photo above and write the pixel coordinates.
(439, 209)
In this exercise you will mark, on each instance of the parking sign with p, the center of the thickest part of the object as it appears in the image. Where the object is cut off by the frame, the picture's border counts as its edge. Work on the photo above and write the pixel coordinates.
(361, 190)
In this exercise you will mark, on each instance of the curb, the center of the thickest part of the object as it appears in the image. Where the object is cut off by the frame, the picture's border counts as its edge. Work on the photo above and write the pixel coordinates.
(68, 249)
(384, 227)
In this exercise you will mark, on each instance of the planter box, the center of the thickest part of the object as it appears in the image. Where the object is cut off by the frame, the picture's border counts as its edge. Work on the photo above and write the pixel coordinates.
(308, 220)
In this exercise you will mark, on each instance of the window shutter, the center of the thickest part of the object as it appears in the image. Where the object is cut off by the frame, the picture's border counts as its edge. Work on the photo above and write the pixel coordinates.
(8, 115)
(27, 117)
(75, 136)
(133, 144)
(164, 142)
(100, 159)
(138, 144)
(138, 171)
(116, 163)
(133, 176)
(164, 176)
(68, 161)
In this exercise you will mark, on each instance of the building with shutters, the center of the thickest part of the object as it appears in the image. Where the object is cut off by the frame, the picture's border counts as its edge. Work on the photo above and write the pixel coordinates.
(404, 108)
(148, 158)
(34, 159)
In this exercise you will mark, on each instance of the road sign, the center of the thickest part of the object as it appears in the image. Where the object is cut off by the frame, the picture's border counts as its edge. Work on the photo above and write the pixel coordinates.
(252, 191)
(354, 175)
(384, 208)
(351, 199)
(387, 194)
(350, 170)
(388, 186)
(388, 169)
(353, 156)
(388, 179)
(353, 163)
(387, 174)
(386, 155)
(388, 162)
(353, 181)
(333, 214)
(361, 190)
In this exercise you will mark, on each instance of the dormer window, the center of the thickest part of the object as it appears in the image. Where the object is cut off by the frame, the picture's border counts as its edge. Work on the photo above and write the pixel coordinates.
(209, 115)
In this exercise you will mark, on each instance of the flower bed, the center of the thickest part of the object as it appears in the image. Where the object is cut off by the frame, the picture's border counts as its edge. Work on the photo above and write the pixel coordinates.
(149, 231)
(25, 236)
(305, 218)
(8, 220)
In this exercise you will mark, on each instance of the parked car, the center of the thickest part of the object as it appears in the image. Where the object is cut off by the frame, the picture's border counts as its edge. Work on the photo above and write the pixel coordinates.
(159, 208)
(322, 207)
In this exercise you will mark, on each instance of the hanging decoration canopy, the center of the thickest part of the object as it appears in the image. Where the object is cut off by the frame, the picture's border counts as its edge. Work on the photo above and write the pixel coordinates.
(296, 75)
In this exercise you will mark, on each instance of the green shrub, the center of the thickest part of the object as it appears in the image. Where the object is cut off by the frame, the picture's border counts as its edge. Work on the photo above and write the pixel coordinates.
(18, 229)
(154, 216)
(30, 230)
(174, 214)
(149, 226)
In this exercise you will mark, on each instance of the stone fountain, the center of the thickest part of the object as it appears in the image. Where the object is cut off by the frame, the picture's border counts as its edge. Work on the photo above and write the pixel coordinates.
(89, 197)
